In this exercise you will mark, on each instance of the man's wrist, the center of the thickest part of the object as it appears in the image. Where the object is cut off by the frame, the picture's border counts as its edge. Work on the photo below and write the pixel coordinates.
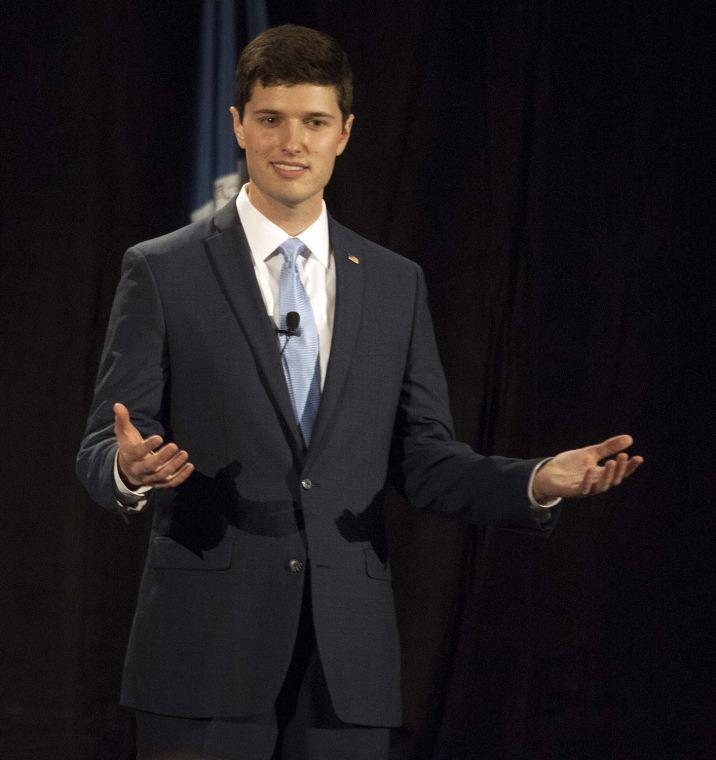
(129, 485)
(541, 503)
(128, 496)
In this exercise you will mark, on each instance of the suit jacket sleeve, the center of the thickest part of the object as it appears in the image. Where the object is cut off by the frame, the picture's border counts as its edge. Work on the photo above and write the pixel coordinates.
(133, 370)
(429, 466)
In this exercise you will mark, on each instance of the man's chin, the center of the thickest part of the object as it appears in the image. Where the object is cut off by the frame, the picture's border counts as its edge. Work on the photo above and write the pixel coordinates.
(294, 199)
(287, 195)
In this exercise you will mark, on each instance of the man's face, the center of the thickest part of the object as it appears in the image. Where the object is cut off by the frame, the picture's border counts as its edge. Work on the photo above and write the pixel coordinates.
(291, 135)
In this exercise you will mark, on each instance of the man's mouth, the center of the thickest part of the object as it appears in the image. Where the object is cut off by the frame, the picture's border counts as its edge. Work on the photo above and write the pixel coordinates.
(288, 170)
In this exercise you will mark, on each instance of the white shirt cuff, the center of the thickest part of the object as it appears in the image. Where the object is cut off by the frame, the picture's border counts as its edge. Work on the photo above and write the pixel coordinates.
(128, 500)
(541, 512)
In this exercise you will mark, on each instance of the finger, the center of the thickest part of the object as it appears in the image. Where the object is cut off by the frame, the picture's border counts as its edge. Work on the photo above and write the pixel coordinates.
(634, 462)
(178, 477)
(612, 445)
(129, 438)
(606, 477)
(160, 475)
(123, 428)
(151, 469)
(153, 461)
(620, 472)
(173, 466)
(134, 453)
(591, 476)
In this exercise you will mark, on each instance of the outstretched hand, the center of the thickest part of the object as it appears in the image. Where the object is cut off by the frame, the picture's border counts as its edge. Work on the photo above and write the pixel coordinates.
(147, 461)
(577, 473)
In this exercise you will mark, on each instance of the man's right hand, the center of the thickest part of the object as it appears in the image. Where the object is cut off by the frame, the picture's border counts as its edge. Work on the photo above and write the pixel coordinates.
(147, 461)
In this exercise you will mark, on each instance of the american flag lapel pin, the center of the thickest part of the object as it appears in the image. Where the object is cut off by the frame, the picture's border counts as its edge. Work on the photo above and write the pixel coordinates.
(354, 259)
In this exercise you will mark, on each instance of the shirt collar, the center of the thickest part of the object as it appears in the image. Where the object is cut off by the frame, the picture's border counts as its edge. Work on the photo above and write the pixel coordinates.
(264, 237)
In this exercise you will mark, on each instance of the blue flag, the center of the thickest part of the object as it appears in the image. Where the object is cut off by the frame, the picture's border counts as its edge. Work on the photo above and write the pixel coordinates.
(218, 172)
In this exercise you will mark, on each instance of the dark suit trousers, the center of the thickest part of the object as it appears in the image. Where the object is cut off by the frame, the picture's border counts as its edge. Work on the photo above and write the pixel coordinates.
(304, 726)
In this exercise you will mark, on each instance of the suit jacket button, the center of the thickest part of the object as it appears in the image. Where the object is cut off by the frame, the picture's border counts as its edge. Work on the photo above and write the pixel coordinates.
(294, 566)
(307, 484)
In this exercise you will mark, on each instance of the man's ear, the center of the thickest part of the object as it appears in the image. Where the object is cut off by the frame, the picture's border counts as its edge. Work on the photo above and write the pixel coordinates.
(238, 128)
(345, 135)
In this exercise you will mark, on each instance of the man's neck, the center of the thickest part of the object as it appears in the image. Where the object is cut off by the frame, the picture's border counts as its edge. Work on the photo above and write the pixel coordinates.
(291, 219)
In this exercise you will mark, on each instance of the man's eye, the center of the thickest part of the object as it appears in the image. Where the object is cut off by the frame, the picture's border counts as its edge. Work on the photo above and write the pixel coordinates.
(317, 123)
(270, 120)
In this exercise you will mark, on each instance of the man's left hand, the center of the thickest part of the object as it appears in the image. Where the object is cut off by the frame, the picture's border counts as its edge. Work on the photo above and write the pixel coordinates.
(577, 473)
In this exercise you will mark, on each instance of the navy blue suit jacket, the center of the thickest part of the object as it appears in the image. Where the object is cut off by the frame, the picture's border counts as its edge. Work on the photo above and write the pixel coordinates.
(192, 353)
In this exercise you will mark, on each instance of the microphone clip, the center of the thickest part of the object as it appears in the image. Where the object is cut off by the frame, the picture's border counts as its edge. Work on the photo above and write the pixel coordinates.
(293, 320)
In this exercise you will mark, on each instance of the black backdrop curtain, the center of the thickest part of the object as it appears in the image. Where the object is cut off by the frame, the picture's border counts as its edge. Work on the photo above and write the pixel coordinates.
(550, 166)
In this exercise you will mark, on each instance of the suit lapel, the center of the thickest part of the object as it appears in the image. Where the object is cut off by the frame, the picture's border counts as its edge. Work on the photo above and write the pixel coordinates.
(231, 260)
(346, 323)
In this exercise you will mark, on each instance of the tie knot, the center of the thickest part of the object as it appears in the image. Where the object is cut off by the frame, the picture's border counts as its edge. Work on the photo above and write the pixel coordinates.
(290, 250)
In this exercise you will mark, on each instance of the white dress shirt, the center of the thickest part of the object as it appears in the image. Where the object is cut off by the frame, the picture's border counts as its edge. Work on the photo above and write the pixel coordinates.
(318, 275)
(317, 269)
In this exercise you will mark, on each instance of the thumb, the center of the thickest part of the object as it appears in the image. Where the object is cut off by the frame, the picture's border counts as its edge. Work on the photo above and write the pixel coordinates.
(613, 445)
(123, 427)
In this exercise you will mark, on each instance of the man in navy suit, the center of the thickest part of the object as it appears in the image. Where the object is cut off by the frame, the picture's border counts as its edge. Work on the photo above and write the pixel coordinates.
(265, 624)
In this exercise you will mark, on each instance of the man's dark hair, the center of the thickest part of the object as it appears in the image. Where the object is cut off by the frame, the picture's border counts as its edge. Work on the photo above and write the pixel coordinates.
(291, 54)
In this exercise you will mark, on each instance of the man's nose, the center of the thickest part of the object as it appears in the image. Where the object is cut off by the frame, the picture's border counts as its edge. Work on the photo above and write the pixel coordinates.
(292, 137)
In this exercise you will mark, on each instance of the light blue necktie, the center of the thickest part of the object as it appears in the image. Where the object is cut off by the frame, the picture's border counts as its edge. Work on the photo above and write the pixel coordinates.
(300, 351)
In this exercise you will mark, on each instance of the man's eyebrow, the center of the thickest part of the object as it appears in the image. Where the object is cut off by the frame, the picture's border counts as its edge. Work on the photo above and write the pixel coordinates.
(308, 115)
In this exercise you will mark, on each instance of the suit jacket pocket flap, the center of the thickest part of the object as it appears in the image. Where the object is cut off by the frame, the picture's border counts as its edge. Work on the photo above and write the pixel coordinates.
(374, 568)
(165, 552)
